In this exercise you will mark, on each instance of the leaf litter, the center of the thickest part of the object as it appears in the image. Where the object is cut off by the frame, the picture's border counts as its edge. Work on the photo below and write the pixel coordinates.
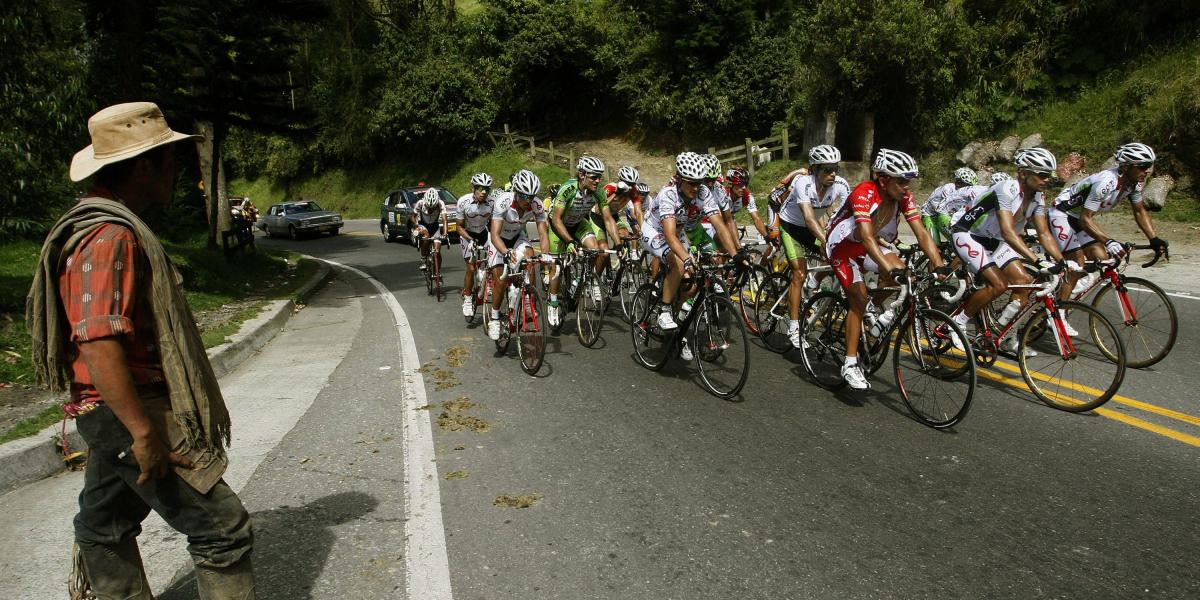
(525, 501)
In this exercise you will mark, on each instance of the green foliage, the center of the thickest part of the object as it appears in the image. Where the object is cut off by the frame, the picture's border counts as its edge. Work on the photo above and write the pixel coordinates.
(33, 425)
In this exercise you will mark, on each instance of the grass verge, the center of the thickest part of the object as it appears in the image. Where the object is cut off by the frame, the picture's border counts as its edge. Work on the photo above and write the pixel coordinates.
(32, 425)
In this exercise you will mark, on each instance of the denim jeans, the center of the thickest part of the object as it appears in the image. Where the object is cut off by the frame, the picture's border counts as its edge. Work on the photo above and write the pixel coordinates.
(112, 505)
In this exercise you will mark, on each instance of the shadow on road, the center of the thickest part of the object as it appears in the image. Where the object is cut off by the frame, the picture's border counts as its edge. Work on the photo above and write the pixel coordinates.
(291, 546)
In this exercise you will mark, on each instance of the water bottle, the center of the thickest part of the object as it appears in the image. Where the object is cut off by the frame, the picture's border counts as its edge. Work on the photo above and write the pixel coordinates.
(686, 308)
(1010, 311)
(513, 295)
(574, 286)
(881, 323)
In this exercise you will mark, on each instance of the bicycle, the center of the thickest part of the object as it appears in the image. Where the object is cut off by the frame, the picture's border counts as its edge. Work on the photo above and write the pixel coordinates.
(630, 275)
(722, 349)
(1057, 367)
(482, 292)
(590, 295)
(936, 381)
(1147, 319)
(433, 267)
(771, 316)
(522, 316)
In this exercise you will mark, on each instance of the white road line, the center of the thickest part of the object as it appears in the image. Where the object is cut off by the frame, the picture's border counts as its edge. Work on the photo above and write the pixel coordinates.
(426, 562)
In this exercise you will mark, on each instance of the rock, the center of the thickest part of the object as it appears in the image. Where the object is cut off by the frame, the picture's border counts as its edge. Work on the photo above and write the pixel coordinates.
(968, 152)
(1032, 141)
(1008, 147)
(1156, 190)
(1108, 164)
(978, 154)
(1070, 165)
(1072, 180)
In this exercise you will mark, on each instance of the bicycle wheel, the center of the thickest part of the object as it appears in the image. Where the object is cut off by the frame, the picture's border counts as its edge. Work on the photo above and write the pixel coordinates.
(630, 278)
(823, 338)
(531, 338)
(1077, 374)
(747, 295)
(564, 278)
(1144, 317)
(589, 315)
(771, 313)
(936, 381)
(721, 345)
(650, 344)
(428, 275)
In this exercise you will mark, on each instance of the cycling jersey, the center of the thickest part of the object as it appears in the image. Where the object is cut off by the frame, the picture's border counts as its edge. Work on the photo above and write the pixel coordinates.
(743, 200)
(513, 221)
(477, 216)
(721, 197)
(803, 190)
(933, 205)
(616, 203)
(959, 199)
(429, 211)
(1098, 192)
(861, 207)
(576, 204)
(670, 204)
(981, 220)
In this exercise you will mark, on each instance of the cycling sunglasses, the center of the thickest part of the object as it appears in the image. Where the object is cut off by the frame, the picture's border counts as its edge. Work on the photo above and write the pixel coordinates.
(592, 176)
(525, 197)
(483, 188)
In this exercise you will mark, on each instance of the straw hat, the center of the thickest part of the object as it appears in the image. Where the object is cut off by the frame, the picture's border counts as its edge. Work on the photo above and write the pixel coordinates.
(123, 131)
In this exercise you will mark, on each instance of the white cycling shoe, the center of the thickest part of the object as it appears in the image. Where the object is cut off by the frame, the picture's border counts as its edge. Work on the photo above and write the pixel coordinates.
(468, 306)
(1070, 330)
(685, 351)
(552, 315)
(597, 297)
(854, 377)
(1011, 345)
(494, 330)
(666, 322)
(794, 337)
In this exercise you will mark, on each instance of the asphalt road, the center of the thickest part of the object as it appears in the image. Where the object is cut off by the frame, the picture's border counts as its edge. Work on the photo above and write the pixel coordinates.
(645, 486)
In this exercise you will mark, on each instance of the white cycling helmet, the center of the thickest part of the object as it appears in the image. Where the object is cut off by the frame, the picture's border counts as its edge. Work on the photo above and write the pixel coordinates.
(431, 195)
(894, 163)
(590, 165)
(966, 176)
(692, 166)
(999, 176)
(1037, 160)
(642, 188)
(525, 182)
(824, 155)
(714, 166)
(481, 179)
(1139, 155)
(629, 175)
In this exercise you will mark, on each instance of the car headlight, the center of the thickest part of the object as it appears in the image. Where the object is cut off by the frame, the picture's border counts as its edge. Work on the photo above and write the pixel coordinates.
(337, 218)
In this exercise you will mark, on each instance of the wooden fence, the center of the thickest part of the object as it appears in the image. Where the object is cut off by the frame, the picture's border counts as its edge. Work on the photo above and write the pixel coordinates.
(750, 153)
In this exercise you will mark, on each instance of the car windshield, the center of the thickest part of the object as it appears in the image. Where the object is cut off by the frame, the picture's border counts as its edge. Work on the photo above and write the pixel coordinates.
(301, 207)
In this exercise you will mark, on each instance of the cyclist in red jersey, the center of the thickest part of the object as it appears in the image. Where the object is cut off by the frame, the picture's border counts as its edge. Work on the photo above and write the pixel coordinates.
(872, 212)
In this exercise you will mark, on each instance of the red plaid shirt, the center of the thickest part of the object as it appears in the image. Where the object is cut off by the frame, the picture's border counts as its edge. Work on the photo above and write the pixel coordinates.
(105, 291)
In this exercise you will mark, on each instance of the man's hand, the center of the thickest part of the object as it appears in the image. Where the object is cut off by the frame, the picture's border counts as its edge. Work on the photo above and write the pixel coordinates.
(154, 460)
(1157, 242)
(1115, 249)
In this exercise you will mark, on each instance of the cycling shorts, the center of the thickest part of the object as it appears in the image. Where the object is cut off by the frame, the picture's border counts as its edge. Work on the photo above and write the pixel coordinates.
(518, 244)
(701, 240)
(798, 241)
(979, 253)
(1069, 231)
(849, 258)
(470, 240)
(434, 228)
(619, 219)
(580, 231)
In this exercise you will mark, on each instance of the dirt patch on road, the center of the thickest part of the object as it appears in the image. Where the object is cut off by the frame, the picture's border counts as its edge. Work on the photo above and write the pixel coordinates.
(456, 356)
(453, 419)
(525, 501)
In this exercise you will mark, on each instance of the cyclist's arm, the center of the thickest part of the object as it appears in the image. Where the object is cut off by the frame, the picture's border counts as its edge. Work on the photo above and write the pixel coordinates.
(814, 224)
(445, 224)
(1014, 240)
(1087, 219)
(610, 225)
(725, 237)
(1144, 222)
(543, 237)
(866, 233)
(1046, 237)
(556, 223)
(497, 241)
(925, 242)
(677, 247)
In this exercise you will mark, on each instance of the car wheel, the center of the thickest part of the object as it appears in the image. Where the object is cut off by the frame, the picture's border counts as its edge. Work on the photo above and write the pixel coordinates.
(334, 232)
(266, 232)
(387, 234)
(292, 233)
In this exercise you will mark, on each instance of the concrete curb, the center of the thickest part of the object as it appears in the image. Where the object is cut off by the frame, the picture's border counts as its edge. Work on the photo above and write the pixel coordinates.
(36, 457)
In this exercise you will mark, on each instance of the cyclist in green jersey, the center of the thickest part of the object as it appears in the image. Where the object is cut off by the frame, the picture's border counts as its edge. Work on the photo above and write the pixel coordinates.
(570, 223)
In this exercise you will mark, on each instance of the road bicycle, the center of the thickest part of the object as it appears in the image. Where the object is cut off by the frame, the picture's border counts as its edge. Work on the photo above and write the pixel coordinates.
(481, 294)
(591, 297)
(1143, 313)
(631, 273)
(936, 380)
(711, 325)
(432, 263)
(521, 315)
(771, 315)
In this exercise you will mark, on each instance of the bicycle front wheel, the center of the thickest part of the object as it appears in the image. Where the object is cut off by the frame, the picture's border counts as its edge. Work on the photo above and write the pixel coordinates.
(631, 277)
(1144, 317)
(722, 347)
(1071, 372)
(531, 338)
(771, 313)
(589, 315)
(650, 343)
(748, 295)
(936, 380)
(823, 338)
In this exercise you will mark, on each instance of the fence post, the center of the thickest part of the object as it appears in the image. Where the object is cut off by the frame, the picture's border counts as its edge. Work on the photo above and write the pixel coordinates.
(552, 160)
(784, 138)
(532, 148)
(571, 157)
(750, 157)
(508, 137)
(712, 150)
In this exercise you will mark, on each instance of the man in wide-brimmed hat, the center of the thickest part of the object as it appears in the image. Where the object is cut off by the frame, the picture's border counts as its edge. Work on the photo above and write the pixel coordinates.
(110, 323)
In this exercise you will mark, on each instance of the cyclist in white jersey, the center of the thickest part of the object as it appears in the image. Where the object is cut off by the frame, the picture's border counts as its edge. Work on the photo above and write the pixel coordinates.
(1075, 209)
(802, 222)
(507, 238)
(429, 220)
(474, 217)
(677, 208)
(989, 240)
(934, 214)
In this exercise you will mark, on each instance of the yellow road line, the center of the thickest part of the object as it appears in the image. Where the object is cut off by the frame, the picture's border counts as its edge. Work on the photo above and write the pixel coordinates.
(1148, 426)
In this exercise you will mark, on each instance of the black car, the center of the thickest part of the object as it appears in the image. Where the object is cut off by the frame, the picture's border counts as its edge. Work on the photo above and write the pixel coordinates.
(397, 206)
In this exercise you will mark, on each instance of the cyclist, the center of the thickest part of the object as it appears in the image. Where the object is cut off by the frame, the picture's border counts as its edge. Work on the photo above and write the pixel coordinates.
(474, 216)
(1073, 216)
(570, 224)
(429, 221)
(801, 223)
(621, 195)
(676, 209)
(989, 236)
(957, 202)
(873, 211)
(507, 238)
(633, 212)
(737, 188)
(705, 236)
(934, 215)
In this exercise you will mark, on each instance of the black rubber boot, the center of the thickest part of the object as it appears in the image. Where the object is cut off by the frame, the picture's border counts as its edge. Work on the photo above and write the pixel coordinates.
(235, 582)
(115, 572)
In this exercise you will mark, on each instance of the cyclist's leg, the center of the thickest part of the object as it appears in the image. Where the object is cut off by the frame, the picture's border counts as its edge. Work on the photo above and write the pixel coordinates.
(795, 252)
(496, 266)
(978, 260)
(466, 242)
(1070, 243)
(844, 257)
(557, 246)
